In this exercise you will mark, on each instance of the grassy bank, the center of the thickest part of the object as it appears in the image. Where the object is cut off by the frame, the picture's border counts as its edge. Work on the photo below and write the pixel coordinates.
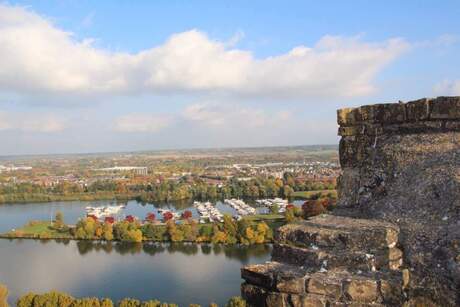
(43, 198)
(47, 230)
(315, 194)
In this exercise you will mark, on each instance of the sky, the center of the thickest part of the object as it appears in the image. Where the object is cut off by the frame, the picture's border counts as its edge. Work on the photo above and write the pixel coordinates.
(104, 76)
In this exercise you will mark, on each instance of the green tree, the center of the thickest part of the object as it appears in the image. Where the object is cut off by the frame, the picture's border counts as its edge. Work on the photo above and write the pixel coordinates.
(26, 300)
(236, 301)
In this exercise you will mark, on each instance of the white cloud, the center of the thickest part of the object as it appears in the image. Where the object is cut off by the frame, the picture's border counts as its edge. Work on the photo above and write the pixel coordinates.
(29, 122)
(448, 88)
(39, 57)
(142, 123)
(232, 115)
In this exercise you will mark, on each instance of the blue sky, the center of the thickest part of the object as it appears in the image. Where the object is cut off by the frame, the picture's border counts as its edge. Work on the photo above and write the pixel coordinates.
(92, 76)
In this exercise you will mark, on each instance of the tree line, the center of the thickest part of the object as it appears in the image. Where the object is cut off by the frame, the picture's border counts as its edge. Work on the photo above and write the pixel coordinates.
(229, 231)
(191, 187)
(60, 299)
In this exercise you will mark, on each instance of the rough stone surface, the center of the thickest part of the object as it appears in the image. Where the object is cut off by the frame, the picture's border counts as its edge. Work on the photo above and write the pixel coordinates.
(394, 239)
(409, 175)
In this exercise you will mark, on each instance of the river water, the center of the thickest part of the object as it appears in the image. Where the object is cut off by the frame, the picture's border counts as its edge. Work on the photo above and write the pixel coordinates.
(179, 273)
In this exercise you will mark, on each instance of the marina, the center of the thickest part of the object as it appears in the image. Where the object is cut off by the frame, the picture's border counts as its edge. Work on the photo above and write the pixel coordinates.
(207, 212)
(281, 203)
(104, 211)
(241, 207)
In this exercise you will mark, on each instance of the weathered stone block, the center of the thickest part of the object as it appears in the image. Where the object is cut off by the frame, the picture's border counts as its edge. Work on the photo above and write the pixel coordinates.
(313, 300)
(276, 299)
(259, 275)
(388, 258)
(391, 292)
(394, 113)
(275, 276)
(323, 284)
(340, 233)
(352, 130)
(361, 290)
(445, 108)
(452, 125)
(289, 283)
(346, 117)
(255, 296)
(418, 109)
(366, 113)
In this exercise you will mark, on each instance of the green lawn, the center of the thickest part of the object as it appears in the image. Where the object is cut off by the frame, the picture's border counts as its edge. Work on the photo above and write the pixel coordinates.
(38, 229)
(309, 194)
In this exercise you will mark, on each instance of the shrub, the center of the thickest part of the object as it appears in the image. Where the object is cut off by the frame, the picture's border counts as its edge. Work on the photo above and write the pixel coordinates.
(312, 208)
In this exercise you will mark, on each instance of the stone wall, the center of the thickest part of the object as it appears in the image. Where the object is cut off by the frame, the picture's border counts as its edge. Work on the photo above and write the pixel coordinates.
(401, 164)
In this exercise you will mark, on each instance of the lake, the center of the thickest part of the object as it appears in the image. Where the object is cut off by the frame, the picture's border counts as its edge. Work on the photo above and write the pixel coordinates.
(179, 273)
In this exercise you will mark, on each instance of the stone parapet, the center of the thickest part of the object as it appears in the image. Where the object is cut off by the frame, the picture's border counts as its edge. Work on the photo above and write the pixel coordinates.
(424, 115)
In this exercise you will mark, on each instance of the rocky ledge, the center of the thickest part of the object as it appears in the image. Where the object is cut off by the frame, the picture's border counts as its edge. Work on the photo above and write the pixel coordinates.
(330, 261)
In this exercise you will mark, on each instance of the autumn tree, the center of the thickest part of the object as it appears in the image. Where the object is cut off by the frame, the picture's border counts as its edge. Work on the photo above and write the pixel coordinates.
(107, 231)
(312, 208)
(236, 301)
(59, 220)
(3, 296)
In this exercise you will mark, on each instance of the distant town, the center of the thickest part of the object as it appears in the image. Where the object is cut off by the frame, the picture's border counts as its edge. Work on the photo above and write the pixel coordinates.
(170, 175)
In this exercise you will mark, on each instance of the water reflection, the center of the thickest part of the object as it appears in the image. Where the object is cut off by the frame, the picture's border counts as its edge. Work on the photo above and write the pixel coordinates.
(241, 253)
(177, 272)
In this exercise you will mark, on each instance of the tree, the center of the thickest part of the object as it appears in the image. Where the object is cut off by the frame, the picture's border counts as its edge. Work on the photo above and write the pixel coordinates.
(219, 237)
(312, 208)
(187, 214)
(175, 234)
(287, 191)
(150, 217)
(106, 302)
(26, 300)
(236, 301)
(3, 296)
(109, 220)
(130, 219)
(154, 232)
(167, 216)
(290, 213)
(59, 220)
(129, 302)
(108, 231)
